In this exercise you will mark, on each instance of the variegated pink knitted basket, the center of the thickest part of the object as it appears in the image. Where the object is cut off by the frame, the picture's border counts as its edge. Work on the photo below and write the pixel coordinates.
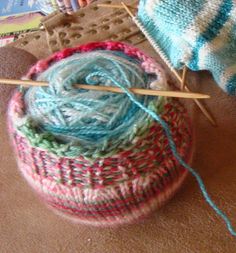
(119, 189)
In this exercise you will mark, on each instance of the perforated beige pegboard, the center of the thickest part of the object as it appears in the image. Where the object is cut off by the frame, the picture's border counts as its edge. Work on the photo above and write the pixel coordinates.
(92, 23)
(35, 43)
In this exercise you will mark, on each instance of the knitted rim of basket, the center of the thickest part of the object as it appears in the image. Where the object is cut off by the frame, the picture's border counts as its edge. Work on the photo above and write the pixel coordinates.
(106, 190)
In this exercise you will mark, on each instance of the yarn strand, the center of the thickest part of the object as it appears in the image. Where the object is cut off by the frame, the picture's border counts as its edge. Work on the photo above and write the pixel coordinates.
(180, 160)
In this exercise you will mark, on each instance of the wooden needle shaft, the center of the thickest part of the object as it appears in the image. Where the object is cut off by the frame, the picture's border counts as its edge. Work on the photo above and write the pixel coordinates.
(183, 78)
(139, 91)
(116, 6)
(127, 9)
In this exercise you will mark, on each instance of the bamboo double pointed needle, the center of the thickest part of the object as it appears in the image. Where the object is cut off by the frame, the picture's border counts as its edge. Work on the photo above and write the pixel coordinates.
(115, 6)
(183, 78)
(139, 91)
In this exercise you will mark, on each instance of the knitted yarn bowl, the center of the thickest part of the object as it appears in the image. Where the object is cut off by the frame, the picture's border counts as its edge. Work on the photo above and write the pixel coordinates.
(103, 185)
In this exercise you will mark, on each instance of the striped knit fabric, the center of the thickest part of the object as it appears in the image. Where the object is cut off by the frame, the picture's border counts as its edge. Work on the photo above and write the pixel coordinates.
(198, 33)
(106, 190)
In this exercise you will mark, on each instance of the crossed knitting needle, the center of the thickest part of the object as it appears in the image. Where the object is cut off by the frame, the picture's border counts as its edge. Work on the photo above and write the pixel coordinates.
(139, 91)
(183, 85)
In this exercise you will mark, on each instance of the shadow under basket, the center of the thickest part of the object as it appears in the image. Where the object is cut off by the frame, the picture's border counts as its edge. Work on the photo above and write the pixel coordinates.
(119, 189)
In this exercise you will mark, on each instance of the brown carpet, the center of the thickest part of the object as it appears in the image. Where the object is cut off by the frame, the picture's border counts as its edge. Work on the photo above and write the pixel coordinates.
(186, 224)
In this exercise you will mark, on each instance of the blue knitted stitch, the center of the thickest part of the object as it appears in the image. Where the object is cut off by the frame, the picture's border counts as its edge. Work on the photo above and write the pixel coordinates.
(188, 32)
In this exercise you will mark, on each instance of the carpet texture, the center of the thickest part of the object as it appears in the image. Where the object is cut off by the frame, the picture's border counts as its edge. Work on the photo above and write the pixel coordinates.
(14, 63)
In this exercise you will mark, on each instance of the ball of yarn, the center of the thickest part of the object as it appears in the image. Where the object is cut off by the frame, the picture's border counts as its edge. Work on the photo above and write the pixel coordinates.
(98, 157)
(14, 63)
(92, 118)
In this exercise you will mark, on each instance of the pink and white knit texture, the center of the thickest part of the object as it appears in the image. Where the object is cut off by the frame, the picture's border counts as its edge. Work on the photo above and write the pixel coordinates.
(105, 191)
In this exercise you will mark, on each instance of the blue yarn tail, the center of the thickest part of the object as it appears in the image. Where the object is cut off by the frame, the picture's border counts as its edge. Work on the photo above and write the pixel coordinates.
(180, 160)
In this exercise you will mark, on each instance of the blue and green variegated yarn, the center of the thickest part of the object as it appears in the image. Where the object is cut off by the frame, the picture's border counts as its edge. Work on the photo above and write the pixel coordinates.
(93, 119)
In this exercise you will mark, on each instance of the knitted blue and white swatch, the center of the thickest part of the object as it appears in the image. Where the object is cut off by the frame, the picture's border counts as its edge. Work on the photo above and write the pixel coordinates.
(198, 33)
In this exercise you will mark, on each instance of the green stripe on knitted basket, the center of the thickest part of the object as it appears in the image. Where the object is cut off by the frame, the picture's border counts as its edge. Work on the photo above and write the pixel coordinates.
(50, 143)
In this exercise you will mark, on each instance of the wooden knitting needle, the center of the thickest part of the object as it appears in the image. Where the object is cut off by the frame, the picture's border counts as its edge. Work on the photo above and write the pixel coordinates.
(183, 78)
(179, 78)
(177, 94)
(116, 6)
(110, 6)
